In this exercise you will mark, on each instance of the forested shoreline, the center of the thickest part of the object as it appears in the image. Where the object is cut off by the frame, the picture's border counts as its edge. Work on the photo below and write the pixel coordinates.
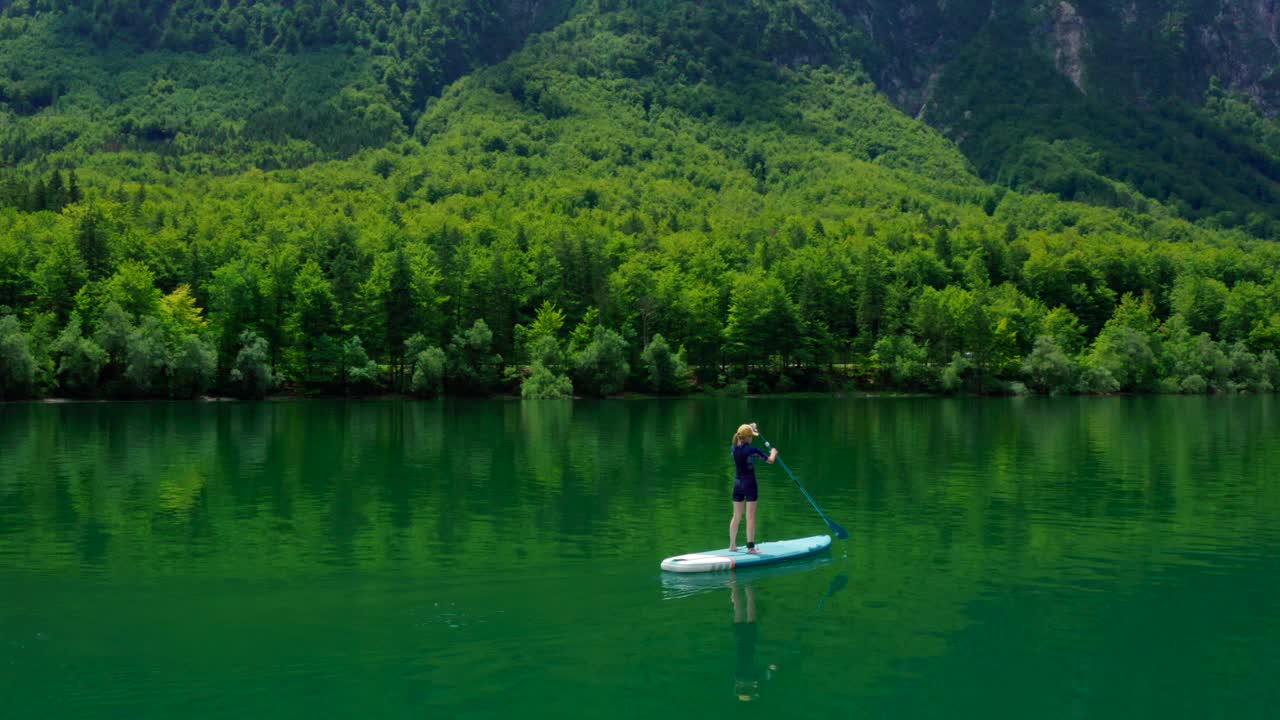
(109, 297)
(610, 209)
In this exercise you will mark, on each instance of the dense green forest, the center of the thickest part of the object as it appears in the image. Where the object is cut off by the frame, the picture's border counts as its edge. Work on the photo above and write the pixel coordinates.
(591, 198)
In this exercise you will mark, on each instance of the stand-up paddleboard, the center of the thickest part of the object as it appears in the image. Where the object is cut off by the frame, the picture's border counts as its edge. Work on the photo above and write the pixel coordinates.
(769, 552)
(676, 585)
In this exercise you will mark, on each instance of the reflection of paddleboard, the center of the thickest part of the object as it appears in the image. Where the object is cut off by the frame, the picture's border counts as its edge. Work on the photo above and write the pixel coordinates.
(682, 585)
(769, 552)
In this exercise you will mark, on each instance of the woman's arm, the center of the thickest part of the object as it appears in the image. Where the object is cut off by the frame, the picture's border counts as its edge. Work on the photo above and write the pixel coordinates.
(773, 453)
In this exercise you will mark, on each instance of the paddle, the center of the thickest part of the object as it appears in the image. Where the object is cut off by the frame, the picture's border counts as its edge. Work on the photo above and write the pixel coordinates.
(835, 526)
(837, 584)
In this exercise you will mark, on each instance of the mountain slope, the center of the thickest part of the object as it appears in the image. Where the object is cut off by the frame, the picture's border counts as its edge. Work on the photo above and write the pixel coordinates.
(1025, 124)
(723, 175)
(266, 84)
(1109, 103)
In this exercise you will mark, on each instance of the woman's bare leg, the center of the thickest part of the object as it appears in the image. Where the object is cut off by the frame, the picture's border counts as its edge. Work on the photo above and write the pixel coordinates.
(751, 524)
(733, 525)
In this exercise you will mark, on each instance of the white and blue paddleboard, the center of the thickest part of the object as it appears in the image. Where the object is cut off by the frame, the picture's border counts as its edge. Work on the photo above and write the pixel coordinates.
(677, 585)
(767, 553)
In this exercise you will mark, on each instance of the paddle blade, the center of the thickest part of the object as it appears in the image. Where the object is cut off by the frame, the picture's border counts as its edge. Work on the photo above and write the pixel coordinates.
(838, 530)
(837, 584)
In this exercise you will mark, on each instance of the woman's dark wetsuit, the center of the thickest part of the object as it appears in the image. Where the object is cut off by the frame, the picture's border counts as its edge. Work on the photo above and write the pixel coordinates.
(744, 484)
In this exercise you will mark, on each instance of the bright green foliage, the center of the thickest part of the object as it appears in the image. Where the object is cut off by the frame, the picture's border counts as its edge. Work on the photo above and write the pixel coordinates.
(180, 315)
(17, 365)
(1135, 312)
(956, 374)
(545, 350)
(233, 299)
(1193, 384)
(540, 339)
(472, 368)
(665, 371)
(1246, 372)
(1246, 306)
(79, 359)
(16, 282)
(544, 384)
(546, 323)
(400, 311)
(1188, 355)
(545, 357)
(584, 332)
(345, 264)
(58, 276)
(1048, 369)
(600, 368)
(1069, 280)
(314, 323)
(314, 312)
(1064, 327)
(133, 288)
(948, 319)
(901, 363)
(428, 366)
(251, 371)
(1126, 354)
(1269, 369)
(146, 360)
(42, 331)
(94, 229)
(275, 293)
(358, 372)
(191, 367)
(1265, 334)
(493, 285)
(1096, 380)
(1127, 348)
(763, 323)
(699, 305)
(986, 326)
(1201, 301)
(114, 327)
(1016, 319)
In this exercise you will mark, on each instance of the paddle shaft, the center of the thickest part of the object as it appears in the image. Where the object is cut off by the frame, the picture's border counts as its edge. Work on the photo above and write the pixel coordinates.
(835, 527)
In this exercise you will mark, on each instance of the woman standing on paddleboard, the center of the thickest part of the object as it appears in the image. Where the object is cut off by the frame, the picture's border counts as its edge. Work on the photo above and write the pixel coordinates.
(745, 491)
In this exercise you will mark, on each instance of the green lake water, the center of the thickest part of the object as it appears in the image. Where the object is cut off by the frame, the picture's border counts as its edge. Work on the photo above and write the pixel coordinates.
(1009, 558)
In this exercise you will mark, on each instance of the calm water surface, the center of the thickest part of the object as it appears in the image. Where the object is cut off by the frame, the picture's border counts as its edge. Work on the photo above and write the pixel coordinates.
(1064, 558)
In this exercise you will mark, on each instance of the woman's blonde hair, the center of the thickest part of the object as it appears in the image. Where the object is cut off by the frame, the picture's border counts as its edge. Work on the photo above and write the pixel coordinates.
(743, 435)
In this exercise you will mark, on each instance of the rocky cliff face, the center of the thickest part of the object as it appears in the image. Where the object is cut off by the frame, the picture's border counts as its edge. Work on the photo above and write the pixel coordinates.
(1068, 39)
(1242, 47)
(1139, 49)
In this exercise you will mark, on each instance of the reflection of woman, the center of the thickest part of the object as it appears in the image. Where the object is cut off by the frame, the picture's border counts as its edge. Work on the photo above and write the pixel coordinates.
(746, 677)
